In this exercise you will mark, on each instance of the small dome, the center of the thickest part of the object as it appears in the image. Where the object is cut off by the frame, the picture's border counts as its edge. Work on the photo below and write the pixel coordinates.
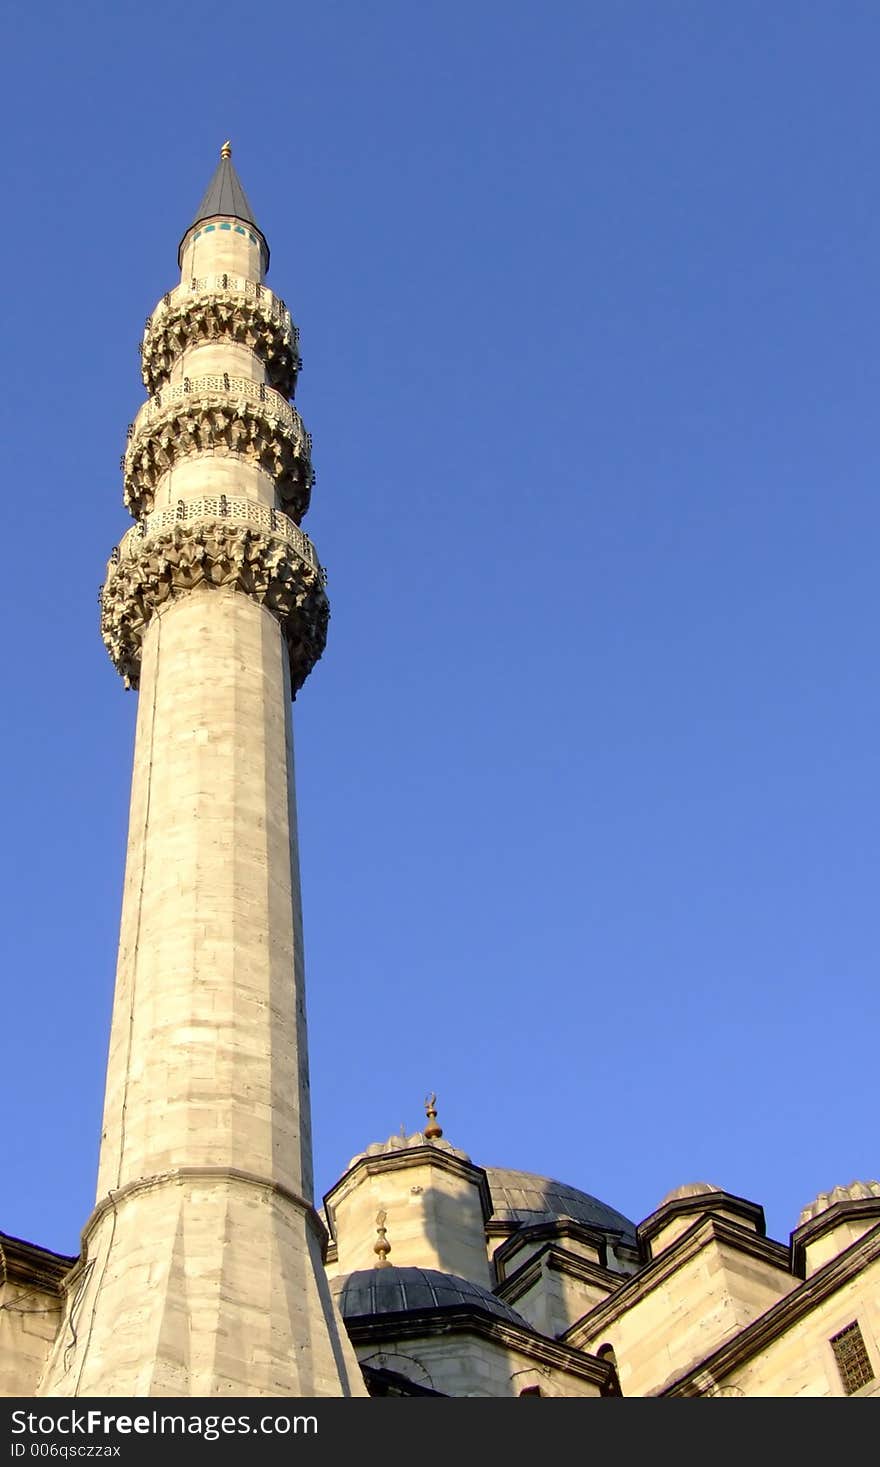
(690, 1189)
(371, 1291)
(407, 1143)
(523, 1197)
(855, 1192)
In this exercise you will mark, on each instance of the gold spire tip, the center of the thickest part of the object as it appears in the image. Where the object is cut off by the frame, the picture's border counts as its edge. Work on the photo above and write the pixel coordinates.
(382, 1247)
(226, 150)
(433, 1131)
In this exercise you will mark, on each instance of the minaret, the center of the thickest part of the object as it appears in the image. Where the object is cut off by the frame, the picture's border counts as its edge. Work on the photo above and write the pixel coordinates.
(201, 1272)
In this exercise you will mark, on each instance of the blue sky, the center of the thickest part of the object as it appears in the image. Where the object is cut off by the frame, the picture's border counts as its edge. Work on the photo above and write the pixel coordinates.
(588, 776)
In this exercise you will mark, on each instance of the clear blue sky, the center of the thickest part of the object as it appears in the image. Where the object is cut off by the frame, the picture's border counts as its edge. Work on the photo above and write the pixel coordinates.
(589, 772)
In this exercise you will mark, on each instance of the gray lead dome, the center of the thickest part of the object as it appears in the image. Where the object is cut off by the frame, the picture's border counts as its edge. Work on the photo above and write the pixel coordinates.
(523, 1197)
(391, 1290)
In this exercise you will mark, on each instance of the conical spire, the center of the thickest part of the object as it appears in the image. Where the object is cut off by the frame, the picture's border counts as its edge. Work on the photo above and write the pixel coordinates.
(224, 194)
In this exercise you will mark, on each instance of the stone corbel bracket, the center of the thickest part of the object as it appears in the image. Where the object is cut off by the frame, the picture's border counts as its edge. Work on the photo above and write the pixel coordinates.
(215, 423)
(214, 555)
(262, 325)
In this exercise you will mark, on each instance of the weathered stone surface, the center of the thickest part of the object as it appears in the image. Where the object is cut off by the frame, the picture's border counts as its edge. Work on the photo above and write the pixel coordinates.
(31, 1307)
(202, 1285)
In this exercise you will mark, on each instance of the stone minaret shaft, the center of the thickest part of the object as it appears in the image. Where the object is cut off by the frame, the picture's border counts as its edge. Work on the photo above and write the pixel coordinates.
(202, 1266)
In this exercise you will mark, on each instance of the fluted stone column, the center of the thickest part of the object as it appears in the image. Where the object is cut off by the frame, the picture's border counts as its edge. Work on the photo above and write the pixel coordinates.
(201, 1271)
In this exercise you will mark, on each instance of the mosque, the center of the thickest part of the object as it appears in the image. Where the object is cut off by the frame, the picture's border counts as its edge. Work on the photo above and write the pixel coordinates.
(205, 1268)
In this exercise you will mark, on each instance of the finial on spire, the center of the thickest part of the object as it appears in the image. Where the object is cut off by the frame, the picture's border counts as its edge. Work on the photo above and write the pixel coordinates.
(226, 197)
(433, 1132)
(382, 1247)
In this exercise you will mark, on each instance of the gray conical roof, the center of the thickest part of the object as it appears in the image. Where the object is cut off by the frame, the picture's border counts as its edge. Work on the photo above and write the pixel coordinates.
(225, 195)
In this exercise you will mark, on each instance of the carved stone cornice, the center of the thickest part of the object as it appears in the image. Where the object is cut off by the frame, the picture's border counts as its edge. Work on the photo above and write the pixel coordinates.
(206, 1176)
(231, 509)
(236, 420)
(260, 322)
(634, 1288)
(787, 1313)
(378, 1329)
(447, 1159)
(27, 1264)
(214, 554)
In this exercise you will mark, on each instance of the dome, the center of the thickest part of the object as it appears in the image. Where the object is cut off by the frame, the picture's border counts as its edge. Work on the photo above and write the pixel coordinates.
(855, 1192)
(690, 1189)
(407, 1143)
(523, 1197)
(391, 1290)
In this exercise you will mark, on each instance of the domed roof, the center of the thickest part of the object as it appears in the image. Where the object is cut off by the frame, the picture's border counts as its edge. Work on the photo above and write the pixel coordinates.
(855, 1192)
(391, 1290)
(690, 1189)
(407, 1143)
(523, 1197)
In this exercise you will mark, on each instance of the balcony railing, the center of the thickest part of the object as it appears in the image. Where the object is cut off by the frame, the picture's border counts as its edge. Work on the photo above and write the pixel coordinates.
(217, 507)
(225, 283)
(221, 383)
